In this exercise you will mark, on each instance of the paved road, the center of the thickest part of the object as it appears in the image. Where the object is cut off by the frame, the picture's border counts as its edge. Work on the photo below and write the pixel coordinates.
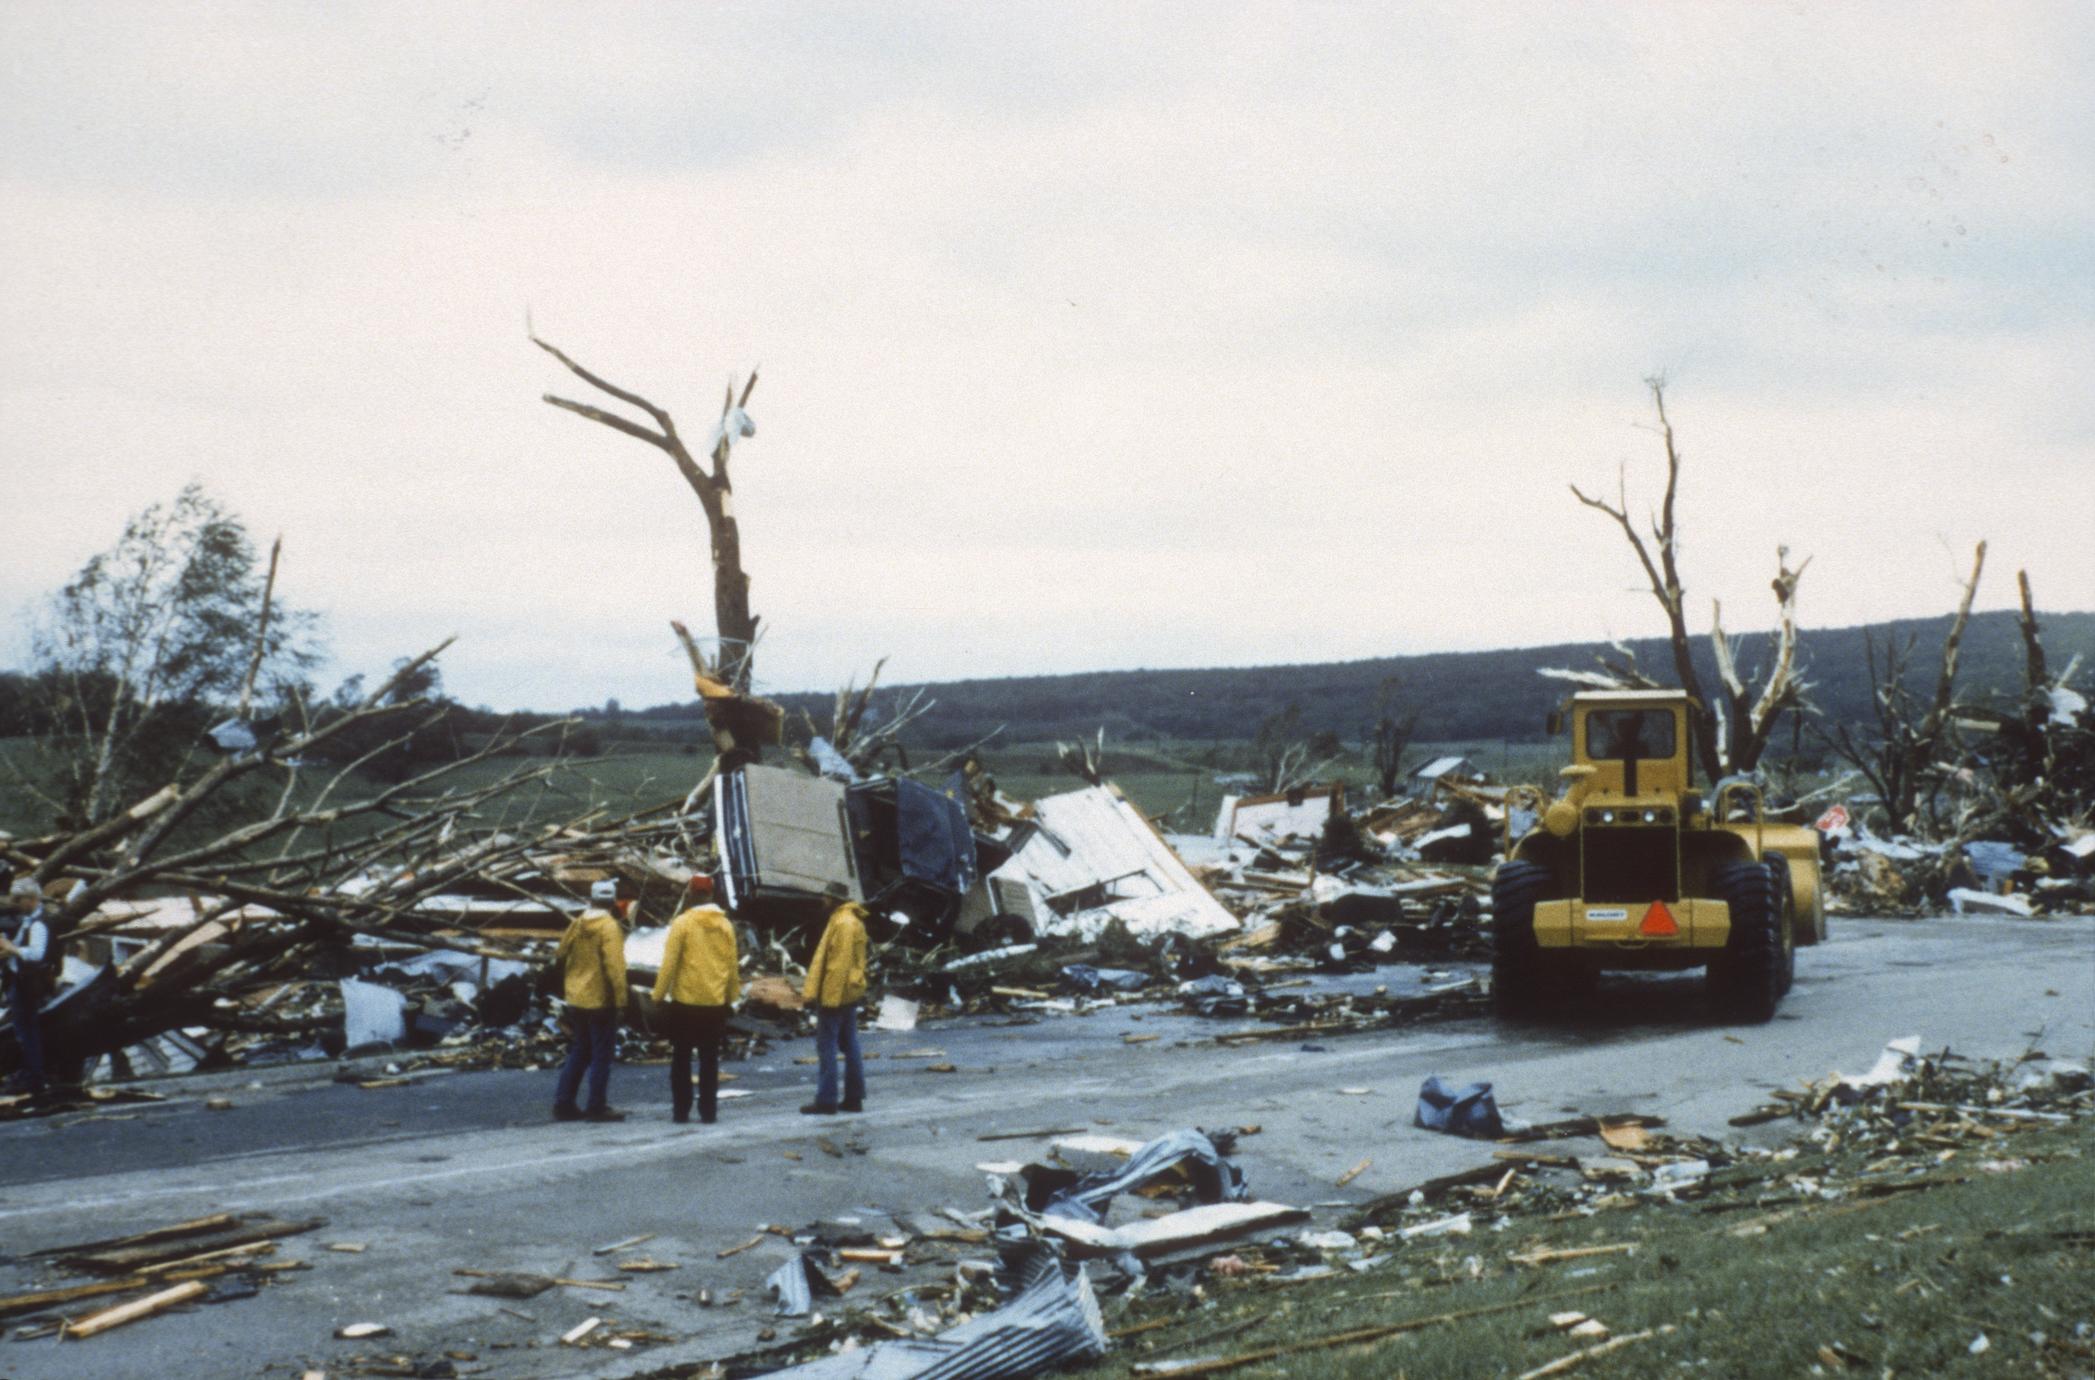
(462, 1170)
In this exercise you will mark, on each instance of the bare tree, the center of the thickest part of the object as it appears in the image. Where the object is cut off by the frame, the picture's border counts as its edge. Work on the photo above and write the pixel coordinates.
(1085, 761)
(1732, 727)
(732, 618)
(1395, 720)
(2034, 763)
(1908, 745)
(1286, 757)
(860, 734)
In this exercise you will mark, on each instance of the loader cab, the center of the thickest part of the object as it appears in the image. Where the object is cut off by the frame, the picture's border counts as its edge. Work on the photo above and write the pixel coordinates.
(1635, 743)
(1631, 774)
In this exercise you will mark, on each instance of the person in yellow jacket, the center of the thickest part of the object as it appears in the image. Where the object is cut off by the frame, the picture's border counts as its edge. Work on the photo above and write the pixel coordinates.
(836, 979)
(699, 981)
(593, 959)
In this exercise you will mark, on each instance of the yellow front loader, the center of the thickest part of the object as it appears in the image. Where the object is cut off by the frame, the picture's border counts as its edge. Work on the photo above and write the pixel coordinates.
(1634, 868)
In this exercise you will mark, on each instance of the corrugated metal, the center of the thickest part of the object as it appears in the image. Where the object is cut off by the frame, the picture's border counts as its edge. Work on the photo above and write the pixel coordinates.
(1214, 1176)
(1054, 1321)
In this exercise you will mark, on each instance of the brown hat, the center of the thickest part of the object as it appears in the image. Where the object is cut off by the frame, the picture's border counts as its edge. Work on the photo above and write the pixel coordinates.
(699, 885)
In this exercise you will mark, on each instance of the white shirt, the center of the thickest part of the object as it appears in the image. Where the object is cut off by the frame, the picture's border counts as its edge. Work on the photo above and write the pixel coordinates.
(32, 940)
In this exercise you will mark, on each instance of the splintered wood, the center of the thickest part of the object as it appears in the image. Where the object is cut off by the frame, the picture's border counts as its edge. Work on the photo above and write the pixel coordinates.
(146, 1307)
(194, 1242)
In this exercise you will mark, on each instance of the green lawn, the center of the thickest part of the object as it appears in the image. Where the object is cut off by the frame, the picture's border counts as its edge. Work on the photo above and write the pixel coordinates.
(1897, 1285)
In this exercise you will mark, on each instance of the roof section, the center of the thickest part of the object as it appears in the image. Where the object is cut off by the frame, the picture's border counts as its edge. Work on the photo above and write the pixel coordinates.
(1439, 767)
(1094, 857)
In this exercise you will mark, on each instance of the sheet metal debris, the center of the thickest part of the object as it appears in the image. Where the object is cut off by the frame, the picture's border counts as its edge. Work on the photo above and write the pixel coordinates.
(1053, 1320)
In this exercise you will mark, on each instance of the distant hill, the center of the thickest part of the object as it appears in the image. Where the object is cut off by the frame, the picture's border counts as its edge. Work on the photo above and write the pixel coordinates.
(1459, 695)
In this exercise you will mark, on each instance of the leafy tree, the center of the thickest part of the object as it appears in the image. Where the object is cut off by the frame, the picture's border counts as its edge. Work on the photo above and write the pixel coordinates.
(149, 641)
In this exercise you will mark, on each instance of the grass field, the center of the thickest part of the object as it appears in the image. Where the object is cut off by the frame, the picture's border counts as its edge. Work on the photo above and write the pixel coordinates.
(1182, 783)
(1899, 1285)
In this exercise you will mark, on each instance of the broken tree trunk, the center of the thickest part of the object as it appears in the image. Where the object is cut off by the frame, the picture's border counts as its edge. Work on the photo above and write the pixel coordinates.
(736, 625)
(1730, 732)
(1908, 746)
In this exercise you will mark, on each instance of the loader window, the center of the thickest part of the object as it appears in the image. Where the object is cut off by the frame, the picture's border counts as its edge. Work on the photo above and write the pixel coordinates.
(1626, 735)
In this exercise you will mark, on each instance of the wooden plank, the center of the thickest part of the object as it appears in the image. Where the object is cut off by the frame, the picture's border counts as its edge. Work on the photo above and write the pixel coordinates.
(183, 1262)
(1207, 1225)
(127, 1259)
(189, 1228)
(1564, 1363)
(1578, 1126)
(1034, 1135)
(1431, 1189)
(136, 1309)
(1546, 1255)
(46, 1298)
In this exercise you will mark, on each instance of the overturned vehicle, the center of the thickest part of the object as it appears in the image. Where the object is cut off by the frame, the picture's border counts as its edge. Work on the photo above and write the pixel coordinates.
(902, 849)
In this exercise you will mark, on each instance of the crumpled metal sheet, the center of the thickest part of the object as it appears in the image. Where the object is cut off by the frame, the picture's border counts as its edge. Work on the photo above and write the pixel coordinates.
(789, 1283)
(1053, 1321)
(1216, 1178)
(372, 1014)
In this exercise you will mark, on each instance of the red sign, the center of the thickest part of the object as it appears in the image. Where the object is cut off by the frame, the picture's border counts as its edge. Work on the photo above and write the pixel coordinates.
(1834, 821)
(1658, 920)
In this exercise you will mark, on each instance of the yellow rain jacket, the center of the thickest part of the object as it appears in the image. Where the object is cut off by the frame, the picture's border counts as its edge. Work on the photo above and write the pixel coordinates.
(698, 960)
(593, 955)
(836, 976)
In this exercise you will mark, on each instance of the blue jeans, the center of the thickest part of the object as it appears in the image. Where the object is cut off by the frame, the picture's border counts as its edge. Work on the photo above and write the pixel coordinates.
(594, 1035)
(29, 1037)
(836, 1027)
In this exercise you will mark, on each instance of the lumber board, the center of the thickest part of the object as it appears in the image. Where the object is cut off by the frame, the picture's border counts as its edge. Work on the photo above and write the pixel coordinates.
(193, 1227)
(16, 1304)
(126, 1260)
(137, 1308)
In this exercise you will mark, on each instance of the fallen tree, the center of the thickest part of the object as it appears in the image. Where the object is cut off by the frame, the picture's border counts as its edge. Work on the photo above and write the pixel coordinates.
(333, 863)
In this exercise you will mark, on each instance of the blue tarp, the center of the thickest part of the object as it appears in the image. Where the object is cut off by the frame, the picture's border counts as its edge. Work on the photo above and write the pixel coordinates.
(1465, 1111)
(932, 840)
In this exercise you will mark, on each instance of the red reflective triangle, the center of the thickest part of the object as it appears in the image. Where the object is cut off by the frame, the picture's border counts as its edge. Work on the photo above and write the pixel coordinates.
(1658, 920)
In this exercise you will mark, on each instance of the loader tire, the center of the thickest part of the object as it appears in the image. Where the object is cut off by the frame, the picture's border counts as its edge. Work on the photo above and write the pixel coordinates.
(1786, 897)
(1516, 960)
(1747, 980)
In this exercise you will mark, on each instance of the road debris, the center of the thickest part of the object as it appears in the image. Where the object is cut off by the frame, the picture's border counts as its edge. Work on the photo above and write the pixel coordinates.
(145, 1307)
(1469, 1110)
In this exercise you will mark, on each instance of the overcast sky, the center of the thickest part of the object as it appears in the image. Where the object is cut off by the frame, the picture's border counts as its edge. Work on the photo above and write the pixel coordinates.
(1091, 336)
